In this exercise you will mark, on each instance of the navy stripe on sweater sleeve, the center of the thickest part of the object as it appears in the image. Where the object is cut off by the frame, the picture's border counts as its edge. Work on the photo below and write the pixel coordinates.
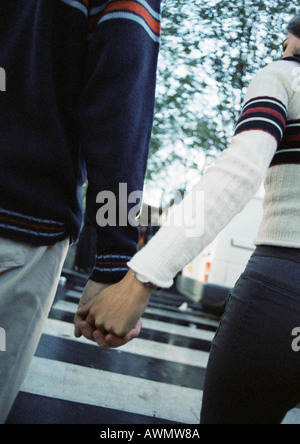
(264, 114)
(116, 118)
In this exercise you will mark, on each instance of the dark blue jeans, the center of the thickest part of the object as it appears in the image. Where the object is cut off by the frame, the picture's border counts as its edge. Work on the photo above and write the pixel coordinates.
(253, 374)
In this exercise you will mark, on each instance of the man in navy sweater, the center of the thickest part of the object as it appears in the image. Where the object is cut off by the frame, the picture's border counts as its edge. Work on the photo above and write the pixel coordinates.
(77, 104)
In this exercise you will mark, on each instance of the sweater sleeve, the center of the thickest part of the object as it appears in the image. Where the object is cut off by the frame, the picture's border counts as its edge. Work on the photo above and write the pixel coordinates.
(116, 118)
(227, 186)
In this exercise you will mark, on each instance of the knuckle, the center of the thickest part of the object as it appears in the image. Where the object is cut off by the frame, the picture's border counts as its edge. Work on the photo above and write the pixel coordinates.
(121, 332)
(113, 330)
(108, 326)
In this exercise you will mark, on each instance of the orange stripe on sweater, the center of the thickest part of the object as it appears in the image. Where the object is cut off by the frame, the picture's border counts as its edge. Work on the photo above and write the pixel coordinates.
(136, 8)
(85, 2)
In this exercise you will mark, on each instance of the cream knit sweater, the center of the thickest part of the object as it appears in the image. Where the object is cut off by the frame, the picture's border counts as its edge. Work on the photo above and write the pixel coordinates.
(266, 145)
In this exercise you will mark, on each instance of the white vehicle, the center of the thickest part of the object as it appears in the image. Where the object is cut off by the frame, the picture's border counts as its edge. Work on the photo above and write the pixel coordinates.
(212, 274)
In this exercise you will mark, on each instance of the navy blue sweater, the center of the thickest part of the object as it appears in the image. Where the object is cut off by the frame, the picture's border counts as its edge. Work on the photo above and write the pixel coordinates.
(78, 104)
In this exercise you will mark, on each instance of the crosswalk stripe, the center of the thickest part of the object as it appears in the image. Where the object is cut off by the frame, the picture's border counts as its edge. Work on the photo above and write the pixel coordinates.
(139, 346)
(126, 393)
(183, 317)
(45, 410)
(116, 361)
(189, 332)
(292, 417)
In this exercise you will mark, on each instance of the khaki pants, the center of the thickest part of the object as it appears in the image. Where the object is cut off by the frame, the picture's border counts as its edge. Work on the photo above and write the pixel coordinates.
(29, 278)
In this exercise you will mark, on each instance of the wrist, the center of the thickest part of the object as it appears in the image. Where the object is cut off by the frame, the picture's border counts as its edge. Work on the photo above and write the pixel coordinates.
(144, 281)
(137, 286)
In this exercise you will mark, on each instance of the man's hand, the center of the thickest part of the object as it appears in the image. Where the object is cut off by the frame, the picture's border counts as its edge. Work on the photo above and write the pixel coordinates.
(91, 290)
(113, 317)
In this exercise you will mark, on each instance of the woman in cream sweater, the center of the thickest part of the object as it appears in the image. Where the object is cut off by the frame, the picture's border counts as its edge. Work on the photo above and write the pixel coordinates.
(253, 374)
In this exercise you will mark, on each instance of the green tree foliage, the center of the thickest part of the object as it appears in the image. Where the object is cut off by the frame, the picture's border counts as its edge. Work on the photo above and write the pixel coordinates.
(210, 50)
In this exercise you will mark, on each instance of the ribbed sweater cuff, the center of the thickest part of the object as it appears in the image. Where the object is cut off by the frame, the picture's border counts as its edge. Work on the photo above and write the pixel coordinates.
(156, 261)
(110, 268)
(152, 275)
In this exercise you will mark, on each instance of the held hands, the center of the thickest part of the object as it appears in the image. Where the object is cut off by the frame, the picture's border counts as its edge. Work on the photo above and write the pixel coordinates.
(90, 291)
(111, 315)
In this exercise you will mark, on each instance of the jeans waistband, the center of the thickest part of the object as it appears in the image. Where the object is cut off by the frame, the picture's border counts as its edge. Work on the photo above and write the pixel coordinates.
(291, 254)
